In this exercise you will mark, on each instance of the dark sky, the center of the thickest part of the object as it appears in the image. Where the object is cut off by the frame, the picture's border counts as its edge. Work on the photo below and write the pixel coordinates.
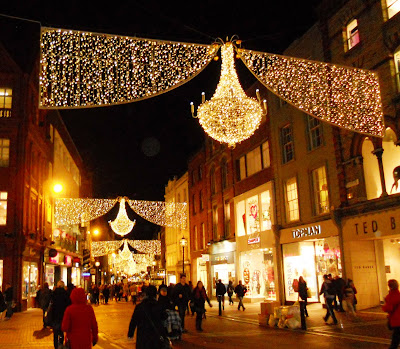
(134, 149)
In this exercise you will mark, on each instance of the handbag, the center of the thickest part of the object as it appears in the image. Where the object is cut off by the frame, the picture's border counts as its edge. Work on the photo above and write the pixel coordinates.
(308, 293)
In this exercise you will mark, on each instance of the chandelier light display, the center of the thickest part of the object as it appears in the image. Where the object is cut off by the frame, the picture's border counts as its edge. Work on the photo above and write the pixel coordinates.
(230, 116)
(122, 225)
(150, 247)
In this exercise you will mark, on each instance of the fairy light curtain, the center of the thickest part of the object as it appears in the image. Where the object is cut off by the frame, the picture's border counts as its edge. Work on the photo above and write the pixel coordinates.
(343, 96)
(150, 247)
(82, 69)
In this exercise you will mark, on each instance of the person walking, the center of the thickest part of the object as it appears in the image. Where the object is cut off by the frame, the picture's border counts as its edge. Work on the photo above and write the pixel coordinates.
(240, 291)
(106, 293)
(8, 298)
(44, 297)
(180, 297)
(328, 290)
(303, 293)
(79, 322)
(199, 298)
(348, 298)
(148, 318)
(191, 290)
(3, 305)
(230, 290)
(96, 294)
(339, 284)
(60, 301)
(220, 291)
(392, 307)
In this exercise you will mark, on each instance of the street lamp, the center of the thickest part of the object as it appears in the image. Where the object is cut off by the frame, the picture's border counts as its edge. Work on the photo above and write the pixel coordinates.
(57, 188)
(183, 243)
(97, 264)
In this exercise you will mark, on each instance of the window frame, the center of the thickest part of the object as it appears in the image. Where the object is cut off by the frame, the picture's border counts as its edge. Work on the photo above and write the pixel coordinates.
(351, 32)
(5, 112)
(311, 132)
(316, 192)
(288, 202)
(4, 149)
(389, 15)
(287, 141)
(4, 200)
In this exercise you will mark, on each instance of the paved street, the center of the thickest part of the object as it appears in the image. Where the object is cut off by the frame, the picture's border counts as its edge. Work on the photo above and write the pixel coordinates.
(233, 330)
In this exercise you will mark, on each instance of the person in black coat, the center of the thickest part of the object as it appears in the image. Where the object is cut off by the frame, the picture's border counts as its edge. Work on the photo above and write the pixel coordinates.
(43, 296)
(303, 293)
(240, 291)
(8, 298)
(180, 297)
(220, 291)
(147, 318)
(106, 293)
(60, 301)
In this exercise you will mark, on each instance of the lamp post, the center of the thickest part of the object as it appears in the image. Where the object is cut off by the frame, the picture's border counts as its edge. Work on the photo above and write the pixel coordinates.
(97, 271)
(183, 243)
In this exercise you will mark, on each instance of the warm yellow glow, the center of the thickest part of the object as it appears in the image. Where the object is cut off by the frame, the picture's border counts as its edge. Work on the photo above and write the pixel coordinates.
(122, 225)
(229, 116)
(57, 188)
(82, 69)
(101, 248)
(97, 264)
(96, 232)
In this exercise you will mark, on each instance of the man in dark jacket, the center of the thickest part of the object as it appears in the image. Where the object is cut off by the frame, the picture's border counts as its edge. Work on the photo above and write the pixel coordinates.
(147, 318)
(240, 291)
(44, 297)
(60, 301)
(180, 297)
(220, 291)
(8, 297)
(329, 292)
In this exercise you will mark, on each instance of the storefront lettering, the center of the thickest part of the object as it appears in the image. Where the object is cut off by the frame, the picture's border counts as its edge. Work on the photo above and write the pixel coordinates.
(253, 240)
(374, 226)
(308, 231)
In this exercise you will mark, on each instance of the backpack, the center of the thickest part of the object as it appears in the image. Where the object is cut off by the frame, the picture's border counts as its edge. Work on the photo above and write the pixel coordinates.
(330, 288)
(295, 285)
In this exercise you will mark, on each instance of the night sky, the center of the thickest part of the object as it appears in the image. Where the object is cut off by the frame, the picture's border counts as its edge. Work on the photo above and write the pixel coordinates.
(134, 149)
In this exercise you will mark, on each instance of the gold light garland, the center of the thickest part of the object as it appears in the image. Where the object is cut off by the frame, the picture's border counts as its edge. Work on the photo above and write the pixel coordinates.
(122, 225)
(82, 69)
(230, 116)
(150, 247)
(101, 248)
(76, 211)
(343, 96)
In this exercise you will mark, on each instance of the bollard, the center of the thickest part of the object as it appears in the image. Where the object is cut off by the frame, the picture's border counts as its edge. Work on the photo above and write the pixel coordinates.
(302, 316)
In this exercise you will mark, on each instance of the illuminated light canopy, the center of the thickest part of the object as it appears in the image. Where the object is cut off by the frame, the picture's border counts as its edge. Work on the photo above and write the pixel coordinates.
(230, 116)
(122, 225)
(82, 69)
(343, 96)
(150, 247)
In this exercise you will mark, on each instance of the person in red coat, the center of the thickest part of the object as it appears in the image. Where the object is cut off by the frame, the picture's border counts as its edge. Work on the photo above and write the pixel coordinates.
(392, 307)
(79, 322)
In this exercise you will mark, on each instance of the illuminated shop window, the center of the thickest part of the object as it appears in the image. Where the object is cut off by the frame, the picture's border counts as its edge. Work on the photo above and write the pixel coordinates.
(393, 7)
(241, 218)
(314, 131)
(353, 36)
(5, 102)
(3, 207)
(4, 152)
(320, 187)
(287, 143)
(397, 66)
(292, 201)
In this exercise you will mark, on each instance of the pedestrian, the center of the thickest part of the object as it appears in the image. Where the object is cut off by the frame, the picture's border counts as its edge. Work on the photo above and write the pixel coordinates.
(59, 302)
(79, 322)
(133, 291)
(116, 292)
(9, 298)
(125, 291)
(199, 298)
(106, 293)
(163, 300)
(180, 297)
(220, 291)
(190, 283)
(329, 292)
(3, 305)
(171, 289)
(96, 294)
(44, 297)
(147, 318)
(230, 290)
(348, 298)
(303, 293)
(351, 282)
(392, 307)
(240, 291)
(339, 284)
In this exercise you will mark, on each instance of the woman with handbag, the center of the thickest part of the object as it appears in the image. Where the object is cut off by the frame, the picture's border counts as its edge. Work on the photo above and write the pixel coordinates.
(199, 298)
(392, 307)
(303, 294)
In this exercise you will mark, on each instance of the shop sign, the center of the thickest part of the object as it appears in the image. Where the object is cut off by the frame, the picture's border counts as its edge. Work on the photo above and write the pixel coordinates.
(205, 257)
(223, 258)
(68, 261)
(85, 275)
(253, 240)
(55, 259)
(307, 231)
(93, 271)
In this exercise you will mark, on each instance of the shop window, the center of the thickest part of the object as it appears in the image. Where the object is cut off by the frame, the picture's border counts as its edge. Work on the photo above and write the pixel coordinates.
(287, 144)
(292, 201)
(4, 152)
(353, 36)
(265, 155)
(227, 218)
(314, 131)
(397, 67)
(212, 181)
(393, 7)
(3, 207)
(29, 279)
(252, 215)
(320, 187)
(5, 102)
(224, 173)
(215, 222)
(241, 218)
(253, 160)
(266, 210)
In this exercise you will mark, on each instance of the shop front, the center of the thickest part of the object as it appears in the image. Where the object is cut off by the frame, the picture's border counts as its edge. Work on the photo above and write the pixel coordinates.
(310, 251)
(202, 273)
(30, 277)
(372, 253)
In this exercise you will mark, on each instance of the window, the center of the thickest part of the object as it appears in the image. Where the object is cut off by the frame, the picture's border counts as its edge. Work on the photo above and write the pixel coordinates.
(397, 66)
(265, 155)
(215, 223)
(242, 164)
(194, 203)
(253, 160)
(193, 177)
(201, 200)
(227, 218)
(292, 201)
(184, 195)
(320, 187)
(287, 144)
(203, 236)
(200, 173)
(4, 152)
(393, 7)
(224, 173)
(353, 36)
(212, 180)
(314, 131)
(196, 239)
(5, 102)
(3, 207)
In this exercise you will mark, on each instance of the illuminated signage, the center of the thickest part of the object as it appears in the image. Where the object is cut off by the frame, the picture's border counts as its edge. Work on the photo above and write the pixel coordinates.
(205, 257)
(253, 241)
(55, 259)
(307, 231)
(85, 275)
(68, 261)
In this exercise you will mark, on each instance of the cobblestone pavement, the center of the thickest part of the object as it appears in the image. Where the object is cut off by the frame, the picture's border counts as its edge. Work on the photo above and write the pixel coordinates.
(234, 329)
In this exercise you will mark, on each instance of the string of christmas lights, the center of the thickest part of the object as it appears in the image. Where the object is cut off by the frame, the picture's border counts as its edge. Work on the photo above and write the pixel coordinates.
(82, 69)
(230, 116)
(122, 225)
(343, 96)
(150, 247)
